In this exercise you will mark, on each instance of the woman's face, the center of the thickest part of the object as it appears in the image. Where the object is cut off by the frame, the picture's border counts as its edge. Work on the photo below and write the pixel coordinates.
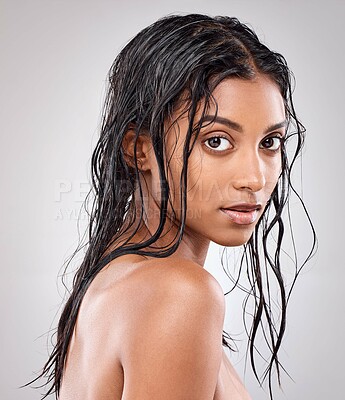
(235, 163)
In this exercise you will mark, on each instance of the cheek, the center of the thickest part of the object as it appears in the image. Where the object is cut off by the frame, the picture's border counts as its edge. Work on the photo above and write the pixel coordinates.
(273, 172)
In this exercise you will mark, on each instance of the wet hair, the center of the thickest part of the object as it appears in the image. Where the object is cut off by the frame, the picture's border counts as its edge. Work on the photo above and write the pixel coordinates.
(179, 60)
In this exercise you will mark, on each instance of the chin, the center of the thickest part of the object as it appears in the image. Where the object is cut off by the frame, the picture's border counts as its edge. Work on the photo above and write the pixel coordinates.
(231, 243)
(233, 239)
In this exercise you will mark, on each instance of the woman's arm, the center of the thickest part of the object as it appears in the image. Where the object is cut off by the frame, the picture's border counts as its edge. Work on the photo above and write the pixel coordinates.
(173, 349)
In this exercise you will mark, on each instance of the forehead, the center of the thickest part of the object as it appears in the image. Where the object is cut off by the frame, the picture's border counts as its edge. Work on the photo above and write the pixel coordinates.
(249, 101)
(252, 104)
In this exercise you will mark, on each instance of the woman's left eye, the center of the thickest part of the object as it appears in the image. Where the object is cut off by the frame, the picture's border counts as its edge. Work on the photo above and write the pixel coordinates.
(217, 143)
(271, 143)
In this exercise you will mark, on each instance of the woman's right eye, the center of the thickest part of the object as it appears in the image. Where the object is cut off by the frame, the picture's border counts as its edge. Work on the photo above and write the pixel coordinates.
(218, 143)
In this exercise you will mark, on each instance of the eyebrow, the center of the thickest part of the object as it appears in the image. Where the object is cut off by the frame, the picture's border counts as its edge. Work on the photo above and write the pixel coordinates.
(237, 127)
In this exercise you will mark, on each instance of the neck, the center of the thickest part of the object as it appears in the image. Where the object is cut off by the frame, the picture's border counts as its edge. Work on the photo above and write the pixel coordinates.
(193, 246)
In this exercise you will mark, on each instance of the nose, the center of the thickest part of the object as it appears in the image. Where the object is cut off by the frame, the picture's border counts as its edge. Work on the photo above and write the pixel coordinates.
(249, 172)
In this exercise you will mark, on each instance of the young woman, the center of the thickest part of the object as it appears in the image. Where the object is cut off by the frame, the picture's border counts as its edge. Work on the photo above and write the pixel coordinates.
(192, 150)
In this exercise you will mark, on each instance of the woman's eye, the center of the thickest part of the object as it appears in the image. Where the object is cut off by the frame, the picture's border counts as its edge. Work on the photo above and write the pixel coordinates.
(218, 143)
(271, 143)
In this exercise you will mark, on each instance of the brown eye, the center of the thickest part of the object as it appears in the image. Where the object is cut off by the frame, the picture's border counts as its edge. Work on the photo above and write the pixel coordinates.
(271, 143)
(217, 143)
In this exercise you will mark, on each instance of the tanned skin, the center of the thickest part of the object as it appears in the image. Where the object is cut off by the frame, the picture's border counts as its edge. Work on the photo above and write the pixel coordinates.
(150, 328)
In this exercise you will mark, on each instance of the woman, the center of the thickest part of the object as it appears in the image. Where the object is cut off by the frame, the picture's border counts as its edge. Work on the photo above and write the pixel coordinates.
(192, 150)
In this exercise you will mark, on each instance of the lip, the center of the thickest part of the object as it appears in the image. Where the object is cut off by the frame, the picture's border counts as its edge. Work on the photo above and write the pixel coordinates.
(242, 214)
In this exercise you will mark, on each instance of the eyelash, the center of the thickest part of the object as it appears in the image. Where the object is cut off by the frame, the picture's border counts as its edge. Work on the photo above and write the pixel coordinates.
(281, 140)
(214, 137)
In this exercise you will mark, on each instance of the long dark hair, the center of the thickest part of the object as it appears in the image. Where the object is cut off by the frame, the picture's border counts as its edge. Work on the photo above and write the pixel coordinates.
(177, 60)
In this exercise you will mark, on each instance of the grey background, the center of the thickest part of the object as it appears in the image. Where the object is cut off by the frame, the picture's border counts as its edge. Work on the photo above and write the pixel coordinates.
(54, 58)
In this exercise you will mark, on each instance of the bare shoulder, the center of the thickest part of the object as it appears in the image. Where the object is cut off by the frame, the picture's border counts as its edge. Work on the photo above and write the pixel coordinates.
(172, 348)
(162, 283)
(132, 285)
(159, 322)
(169, 273)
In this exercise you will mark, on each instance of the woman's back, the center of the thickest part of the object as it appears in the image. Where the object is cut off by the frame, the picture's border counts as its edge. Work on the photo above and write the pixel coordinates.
(150, 329)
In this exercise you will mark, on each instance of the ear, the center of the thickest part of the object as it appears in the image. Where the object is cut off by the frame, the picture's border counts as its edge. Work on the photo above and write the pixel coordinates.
(143, 149)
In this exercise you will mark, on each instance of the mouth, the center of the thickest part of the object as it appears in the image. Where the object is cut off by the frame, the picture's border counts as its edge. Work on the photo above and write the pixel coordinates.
(242, 214)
